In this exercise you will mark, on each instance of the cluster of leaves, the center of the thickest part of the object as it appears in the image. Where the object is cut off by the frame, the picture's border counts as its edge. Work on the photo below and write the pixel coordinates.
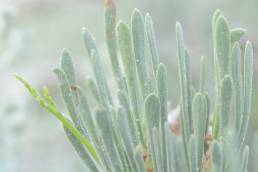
(129, 131)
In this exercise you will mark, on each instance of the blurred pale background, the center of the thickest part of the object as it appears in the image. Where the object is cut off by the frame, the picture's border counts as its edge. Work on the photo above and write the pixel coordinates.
(34, 31)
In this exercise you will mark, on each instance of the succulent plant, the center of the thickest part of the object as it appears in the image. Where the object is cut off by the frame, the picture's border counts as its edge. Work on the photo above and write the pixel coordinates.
(128, 130)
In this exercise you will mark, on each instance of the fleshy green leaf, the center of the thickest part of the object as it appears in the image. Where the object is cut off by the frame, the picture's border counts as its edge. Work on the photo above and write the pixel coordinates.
(124, 129)
(185, 87)
(110, 23)
(225, 102)
(163, 98)
(236, 34)
(157, 156)
(217, 157)
(222, 46)
(89, 41)
(245, 159)
(139, 45)
(67, 66)
(248, 82)
(162, 90)
(237, 83)
(152, 117)
(131, 121)
(152, 41)
(93, 88)
(215, 17)
(126, 51)
(104, 125)
(152, 111)
(193, 157)
(101, 81)
(69, 98)
(200, 114)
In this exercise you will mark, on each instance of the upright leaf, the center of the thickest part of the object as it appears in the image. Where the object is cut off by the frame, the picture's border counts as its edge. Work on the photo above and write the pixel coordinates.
(69, 98)
(93, 89)
(200, 114)
(152, 41)
(247, 89)
(224, 103)
(126, 137)
(163, 98)
(222, 46)
(139, 45)
(244, 164)
(193, 154)
(104, 125)
(157, 158)
(123, 100)
(126, 51)
(217, 157)
(185, 88)
(152, 111)
(237, 83)
(101, 81)
(110, 23)
(152, 117)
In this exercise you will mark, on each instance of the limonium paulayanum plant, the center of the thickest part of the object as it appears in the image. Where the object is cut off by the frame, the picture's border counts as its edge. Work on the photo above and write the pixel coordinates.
(128, 130)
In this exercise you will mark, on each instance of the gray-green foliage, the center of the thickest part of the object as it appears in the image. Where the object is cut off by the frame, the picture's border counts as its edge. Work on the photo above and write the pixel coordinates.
(133, 134)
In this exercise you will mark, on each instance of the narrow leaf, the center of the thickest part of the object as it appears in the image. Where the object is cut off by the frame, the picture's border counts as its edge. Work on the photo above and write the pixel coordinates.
(237, 83)
(244, 164)
(152, 41)
(110, 23)
(125, 45)
(127, 141)
(225, 101)
(222, 46)
(193, 158)
(131, 121)
(67, 66)
(217, 157)
(157, 150)
(89, 41)
(185, 88)
(93, 88)
(152, 117)
(102, 85)
(200, 113)
(84, 155)
(69, 98)
(152, 111)
(248, 82)
(139, 46)
(163, 98)
(104, 125)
